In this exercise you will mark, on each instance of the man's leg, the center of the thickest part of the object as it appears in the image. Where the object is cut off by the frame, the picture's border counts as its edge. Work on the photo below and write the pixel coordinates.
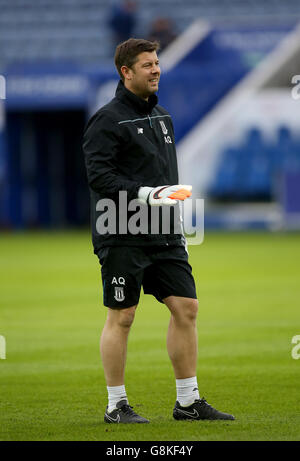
(113, 349)
(113, 344)
(182, 338)
(182, 343)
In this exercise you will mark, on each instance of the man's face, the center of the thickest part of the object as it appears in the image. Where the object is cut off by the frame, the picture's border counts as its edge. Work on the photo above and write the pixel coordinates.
(142, 79)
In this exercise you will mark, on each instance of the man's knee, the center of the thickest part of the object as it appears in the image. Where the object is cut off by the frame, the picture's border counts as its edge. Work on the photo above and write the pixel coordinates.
(122, 317)
(184, 310)
(190, 309)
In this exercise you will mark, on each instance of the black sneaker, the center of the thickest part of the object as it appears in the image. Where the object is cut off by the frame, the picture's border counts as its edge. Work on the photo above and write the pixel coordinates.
(200, 409)
(123, 414)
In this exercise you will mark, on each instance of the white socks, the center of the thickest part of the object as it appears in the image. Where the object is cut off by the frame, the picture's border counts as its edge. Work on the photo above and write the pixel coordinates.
(115, 394)
(187, 391)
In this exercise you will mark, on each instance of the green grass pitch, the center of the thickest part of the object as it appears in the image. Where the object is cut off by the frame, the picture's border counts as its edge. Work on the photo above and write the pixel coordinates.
(52, 385)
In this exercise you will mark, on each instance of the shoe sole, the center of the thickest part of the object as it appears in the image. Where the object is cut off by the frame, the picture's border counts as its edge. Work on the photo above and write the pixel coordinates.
(125, 422)
(182, 418)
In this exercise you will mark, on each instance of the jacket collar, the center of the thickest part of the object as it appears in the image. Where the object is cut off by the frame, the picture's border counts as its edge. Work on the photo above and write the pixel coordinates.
(138, 103)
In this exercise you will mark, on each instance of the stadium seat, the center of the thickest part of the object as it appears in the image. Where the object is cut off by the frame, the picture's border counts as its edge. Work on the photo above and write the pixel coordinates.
(22, 19)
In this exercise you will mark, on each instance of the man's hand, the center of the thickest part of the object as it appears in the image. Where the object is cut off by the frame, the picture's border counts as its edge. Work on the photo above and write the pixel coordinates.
(164, 195)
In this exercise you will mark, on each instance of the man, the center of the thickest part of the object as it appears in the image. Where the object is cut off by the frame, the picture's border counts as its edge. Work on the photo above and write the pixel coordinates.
(123, 20)
(129, 148)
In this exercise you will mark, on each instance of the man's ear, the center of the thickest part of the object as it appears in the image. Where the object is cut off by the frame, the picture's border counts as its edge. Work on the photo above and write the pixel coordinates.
(127, 72)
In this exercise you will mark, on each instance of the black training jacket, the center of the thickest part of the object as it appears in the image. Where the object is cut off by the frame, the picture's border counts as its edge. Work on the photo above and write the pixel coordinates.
(127, 144)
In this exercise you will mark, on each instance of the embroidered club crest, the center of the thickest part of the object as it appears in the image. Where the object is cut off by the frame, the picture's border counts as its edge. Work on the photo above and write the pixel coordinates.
(119, 294)
(163, 127)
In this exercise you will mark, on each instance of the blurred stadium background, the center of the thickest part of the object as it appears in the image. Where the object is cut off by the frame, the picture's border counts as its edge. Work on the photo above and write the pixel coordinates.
(227, 83)
(230, 75)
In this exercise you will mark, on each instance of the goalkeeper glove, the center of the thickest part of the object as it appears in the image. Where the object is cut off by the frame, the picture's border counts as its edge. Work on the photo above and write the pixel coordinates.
(163, 195)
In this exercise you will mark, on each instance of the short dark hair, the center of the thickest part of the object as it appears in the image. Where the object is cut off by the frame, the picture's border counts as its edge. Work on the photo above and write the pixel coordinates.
(127, 52)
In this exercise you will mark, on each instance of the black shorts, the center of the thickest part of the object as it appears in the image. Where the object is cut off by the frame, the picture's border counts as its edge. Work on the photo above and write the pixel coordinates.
(162, 271)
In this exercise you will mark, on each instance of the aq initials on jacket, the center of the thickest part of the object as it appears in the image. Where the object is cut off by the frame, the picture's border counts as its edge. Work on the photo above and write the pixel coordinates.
(168, 139)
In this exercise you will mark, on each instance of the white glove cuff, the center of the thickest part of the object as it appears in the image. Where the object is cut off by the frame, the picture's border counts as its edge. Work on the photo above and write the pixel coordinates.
(143, 193)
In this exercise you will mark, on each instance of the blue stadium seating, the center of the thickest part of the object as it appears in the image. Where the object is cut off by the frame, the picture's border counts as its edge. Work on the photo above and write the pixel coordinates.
(250, 171)
(77, 29)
